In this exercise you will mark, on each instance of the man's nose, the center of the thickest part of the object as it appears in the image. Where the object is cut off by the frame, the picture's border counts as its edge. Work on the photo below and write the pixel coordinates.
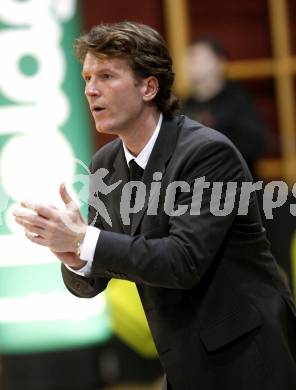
(91, 90)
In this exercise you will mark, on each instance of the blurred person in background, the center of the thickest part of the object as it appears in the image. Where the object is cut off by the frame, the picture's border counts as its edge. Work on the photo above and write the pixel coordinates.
(219, 312)
(225, 105)
(222, 104)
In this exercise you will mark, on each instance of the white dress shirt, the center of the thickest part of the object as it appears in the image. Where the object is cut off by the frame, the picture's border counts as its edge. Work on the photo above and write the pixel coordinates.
(87, 248)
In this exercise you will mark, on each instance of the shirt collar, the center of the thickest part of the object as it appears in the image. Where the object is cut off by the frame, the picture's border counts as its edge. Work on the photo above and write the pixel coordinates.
(143, 157)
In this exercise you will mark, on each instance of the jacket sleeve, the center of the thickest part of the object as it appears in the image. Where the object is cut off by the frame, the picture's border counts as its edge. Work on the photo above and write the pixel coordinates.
(180, 259)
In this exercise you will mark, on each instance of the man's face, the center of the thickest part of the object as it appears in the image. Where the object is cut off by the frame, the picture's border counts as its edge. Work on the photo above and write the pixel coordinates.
(203, 64)
(115, 97)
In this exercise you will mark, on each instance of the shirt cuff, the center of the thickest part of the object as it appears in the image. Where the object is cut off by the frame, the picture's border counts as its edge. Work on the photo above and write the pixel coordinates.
(87, 251)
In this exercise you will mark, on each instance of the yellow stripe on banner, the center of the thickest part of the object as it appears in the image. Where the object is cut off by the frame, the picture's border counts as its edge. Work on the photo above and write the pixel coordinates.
(293, 262)
(128, 317)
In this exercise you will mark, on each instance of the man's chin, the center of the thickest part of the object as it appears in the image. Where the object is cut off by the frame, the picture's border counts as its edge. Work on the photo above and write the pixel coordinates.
(104, 129)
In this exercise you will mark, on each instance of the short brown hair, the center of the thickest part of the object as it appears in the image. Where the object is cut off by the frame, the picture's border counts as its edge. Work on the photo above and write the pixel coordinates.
(143, 47)
(212, 43)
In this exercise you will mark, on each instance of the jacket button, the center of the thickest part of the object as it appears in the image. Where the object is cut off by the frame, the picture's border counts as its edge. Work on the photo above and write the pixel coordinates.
(77, 286)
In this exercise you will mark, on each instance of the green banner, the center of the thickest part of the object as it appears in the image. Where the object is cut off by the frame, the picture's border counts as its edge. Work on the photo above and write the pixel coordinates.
(44, 140)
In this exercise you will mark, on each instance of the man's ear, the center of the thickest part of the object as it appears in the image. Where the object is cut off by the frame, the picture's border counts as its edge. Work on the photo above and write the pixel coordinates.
(150, 88)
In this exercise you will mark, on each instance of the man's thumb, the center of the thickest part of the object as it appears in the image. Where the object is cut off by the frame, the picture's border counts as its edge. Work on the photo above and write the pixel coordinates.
(64, 195)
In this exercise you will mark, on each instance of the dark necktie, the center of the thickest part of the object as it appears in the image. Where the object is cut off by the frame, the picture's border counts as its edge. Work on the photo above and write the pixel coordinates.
(136, 173)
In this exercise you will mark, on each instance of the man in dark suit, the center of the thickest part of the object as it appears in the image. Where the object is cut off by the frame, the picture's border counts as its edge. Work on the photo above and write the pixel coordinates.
(219, 313)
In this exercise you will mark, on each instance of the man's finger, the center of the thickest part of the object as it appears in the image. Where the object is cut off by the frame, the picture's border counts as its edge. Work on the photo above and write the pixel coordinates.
(23, 212)
(30, 219)
(69, 202)
(28, 205)
(36, 239)
(43, 211)
(46, 212)
(64, 194)
(34, 229)
(52, 206)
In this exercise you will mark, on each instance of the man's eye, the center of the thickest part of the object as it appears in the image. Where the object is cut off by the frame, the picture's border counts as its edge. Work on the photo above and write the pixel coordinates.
(106, 76)
(86, 78)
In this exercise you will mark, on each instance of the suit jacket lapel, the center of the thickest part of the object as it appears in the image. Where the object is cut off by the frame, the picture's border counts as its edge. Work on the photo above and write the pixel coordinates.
(120, 172)
(159, 158)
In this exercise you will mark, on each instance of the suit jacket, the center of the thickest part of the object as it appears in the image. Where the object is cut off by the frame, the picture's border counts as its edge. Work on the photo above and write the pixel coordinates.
(219, 312)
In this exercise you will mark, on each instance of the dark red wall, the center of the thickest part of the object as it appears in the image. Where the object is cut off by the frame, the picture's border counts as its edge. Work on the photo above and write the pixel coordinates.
(110, 11)
(241, 25)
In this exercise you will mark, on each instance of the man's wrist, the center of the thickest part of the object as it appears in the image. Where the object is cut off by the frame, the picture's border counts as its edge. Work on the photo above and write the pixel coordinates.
(79, 240)
(80, 264)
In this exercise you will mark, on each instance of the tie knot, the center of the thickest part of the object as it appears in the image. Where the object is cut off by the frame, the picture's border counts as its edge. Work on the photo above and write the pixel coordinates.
(136, 172)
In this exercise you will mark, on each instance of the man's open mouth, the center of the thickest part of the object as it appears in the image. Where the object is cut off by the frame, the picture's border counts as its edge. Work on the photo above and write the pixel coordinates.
(98, 109)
